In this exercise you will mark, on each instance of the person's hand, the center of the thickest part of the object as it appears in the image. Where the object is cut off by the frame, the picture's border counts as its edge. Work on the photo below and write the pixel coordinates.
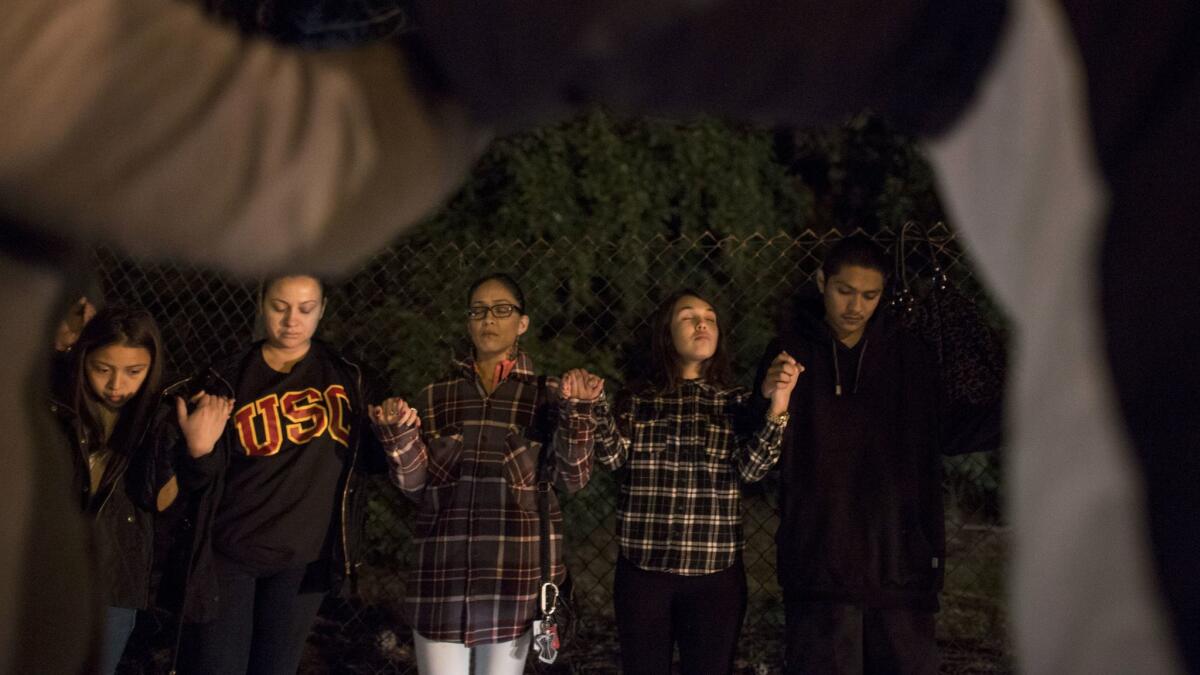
(780, 381)
(203, 426)
(72, 324)
(394, 411)
(581, 385)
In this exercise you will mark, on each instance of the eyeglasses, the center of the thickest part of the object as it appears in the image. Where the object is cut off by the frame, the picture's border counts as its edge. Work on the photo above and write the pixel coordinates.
(500, 311)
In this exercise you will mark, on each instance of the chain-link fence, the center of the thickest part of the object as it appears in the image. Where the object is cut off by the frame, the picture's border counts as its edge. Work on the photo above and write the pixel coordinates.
(402, 316)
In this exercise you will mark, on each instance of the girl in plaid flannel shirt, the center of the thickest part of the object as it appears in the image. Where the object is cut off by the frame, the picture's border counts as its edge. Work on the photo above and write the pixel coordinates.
(468, 455)
(684, 444)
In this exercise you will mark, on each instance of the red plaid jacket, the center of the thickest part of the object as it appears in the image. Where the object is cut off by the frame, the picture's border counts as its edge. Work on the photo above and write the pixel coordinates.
(472, 469)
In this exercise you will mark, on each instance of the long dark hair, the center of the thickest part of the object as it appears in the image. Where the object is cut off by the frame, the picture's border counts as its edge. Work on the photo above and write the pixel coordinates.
(664, 360)
(129, 328)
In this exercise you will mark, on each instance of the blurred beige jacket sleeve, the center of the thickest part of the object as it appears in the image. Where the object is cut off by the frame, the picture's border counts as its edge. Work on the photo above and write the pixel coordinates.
(143, 124)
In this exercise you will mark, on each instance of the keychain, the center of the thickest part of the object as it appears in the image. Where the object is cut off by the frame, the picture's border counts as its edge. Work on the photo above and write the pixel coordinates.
(545, 640)
(545, 632)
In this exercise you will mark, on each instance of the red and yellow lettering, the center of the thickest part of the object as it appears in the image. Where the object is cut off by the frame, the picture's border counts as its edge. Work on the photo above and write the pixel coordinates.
(339, 413)
(306, 412)
(267, 408)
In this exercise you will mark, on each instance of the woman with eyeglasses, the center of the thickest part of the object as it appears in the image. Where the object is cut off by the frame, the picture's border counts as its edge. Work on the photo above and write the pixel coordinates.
(471, 453)
(685, 442)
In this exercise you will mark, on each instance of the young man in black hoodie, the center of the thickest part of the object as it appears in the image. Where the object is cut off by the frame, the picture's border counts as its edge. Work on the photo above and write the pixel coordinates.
(861, 541)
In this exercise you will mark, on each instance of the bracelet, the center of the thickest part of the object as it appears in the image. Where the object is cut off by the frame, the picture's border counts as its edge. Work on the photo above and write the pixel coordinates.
(781, 419)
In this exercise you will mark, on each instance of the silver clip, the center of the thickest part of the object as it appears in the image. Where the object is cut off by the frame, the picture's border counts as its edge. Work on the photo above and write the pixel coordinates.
(548, 603)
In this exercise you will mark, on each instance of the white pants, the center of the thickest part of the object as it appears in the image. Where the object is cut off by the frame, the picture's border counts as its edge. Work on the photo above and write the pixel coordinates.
(454, 658)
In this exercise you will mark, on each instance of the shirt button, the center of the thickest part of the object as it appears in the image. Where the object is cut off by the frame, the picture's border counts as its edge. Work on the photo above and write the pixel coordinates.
(129, 519)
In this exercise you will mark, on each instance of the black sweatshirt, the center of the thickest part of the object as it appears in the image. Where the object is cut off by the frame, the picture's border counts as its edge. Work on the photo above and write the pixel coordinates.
(861, 471)
(192, 578)
(281, 485)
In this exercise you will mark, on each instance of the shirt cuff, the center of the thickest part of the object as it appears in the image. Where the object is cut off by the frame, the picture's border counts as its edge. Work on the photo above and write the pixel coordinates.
(393, 436)
(577, 408)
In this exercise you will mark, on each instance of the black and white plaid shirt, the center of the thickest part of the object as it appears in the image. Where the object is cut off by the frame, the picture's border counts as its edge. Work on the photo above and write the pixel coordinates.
(685, 454)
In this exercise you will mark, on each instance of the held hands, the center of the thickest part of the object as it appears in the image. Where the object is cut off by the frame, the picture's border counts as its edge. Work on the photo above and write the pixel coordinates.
(581, 385)
(394, 411)
(780, 381)
(205, 424)
(72, 324)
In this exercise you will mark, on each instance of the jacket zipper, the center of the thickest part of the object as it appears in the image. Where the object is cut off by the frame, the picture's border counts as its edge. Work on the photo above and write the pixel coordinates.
(350, 477)
(112, 489)
(83, 455)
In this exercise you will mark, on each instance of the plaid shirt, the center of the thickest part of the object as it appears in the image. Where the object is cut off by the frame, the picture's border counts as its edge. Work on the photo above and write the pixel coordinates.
(472, 469)
(685, 454)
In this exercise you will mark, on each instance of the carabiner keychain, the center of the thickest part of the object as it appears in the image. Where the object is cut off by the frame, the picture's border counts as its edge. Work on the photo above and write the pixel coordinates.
(545, 631)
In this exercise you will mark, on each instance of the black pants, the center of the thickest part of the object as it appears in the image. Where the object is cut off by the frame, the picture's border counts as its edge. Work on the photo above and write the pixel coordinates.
(842, 639)
(656, 610)
(261, 626)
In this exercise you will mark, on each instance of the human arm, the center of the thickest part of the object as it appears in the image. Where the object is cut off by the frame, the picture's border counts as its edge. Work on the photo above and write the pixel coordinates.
(146, 125)
(199, 451)
(758, 438)
(397, 425)
(69, 329)
(800, 63)
(371, 458)
(758, 422)
(614, 429)
(779, 381)
(202, 426)
(578, 394)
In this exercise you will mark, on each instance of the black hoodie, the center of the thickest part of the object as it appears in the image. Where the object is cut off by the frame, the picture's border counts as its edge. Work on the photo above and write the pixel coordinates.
(861, 471)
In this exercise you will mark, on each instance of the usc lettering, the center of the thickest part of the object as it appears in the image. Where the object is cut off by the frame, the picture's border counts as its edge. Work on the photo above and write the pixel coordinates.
(339, 413)
(266, 408)
(308, 412)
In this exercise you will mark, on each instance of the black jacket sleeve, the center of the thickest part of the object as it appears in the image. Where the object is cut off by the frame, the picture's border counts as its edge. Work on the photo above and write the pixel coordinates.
(371, 458)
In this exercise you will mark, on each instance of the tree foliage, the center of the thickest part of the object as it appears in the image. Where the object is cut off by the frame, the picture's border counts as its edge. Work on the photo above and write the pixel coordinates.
(601, 216)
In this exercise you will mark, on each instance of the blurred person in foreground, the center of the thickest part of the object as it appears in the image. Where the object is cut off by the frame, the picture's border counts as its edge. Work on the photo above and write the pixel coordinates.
(146, 126)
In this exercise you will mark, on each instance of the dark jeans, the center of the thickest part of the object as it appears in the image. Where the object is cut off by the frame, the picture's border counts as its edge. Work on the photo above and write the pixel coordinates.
(656, 610)
(260, 628)
(842, 639)
(118, 626)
